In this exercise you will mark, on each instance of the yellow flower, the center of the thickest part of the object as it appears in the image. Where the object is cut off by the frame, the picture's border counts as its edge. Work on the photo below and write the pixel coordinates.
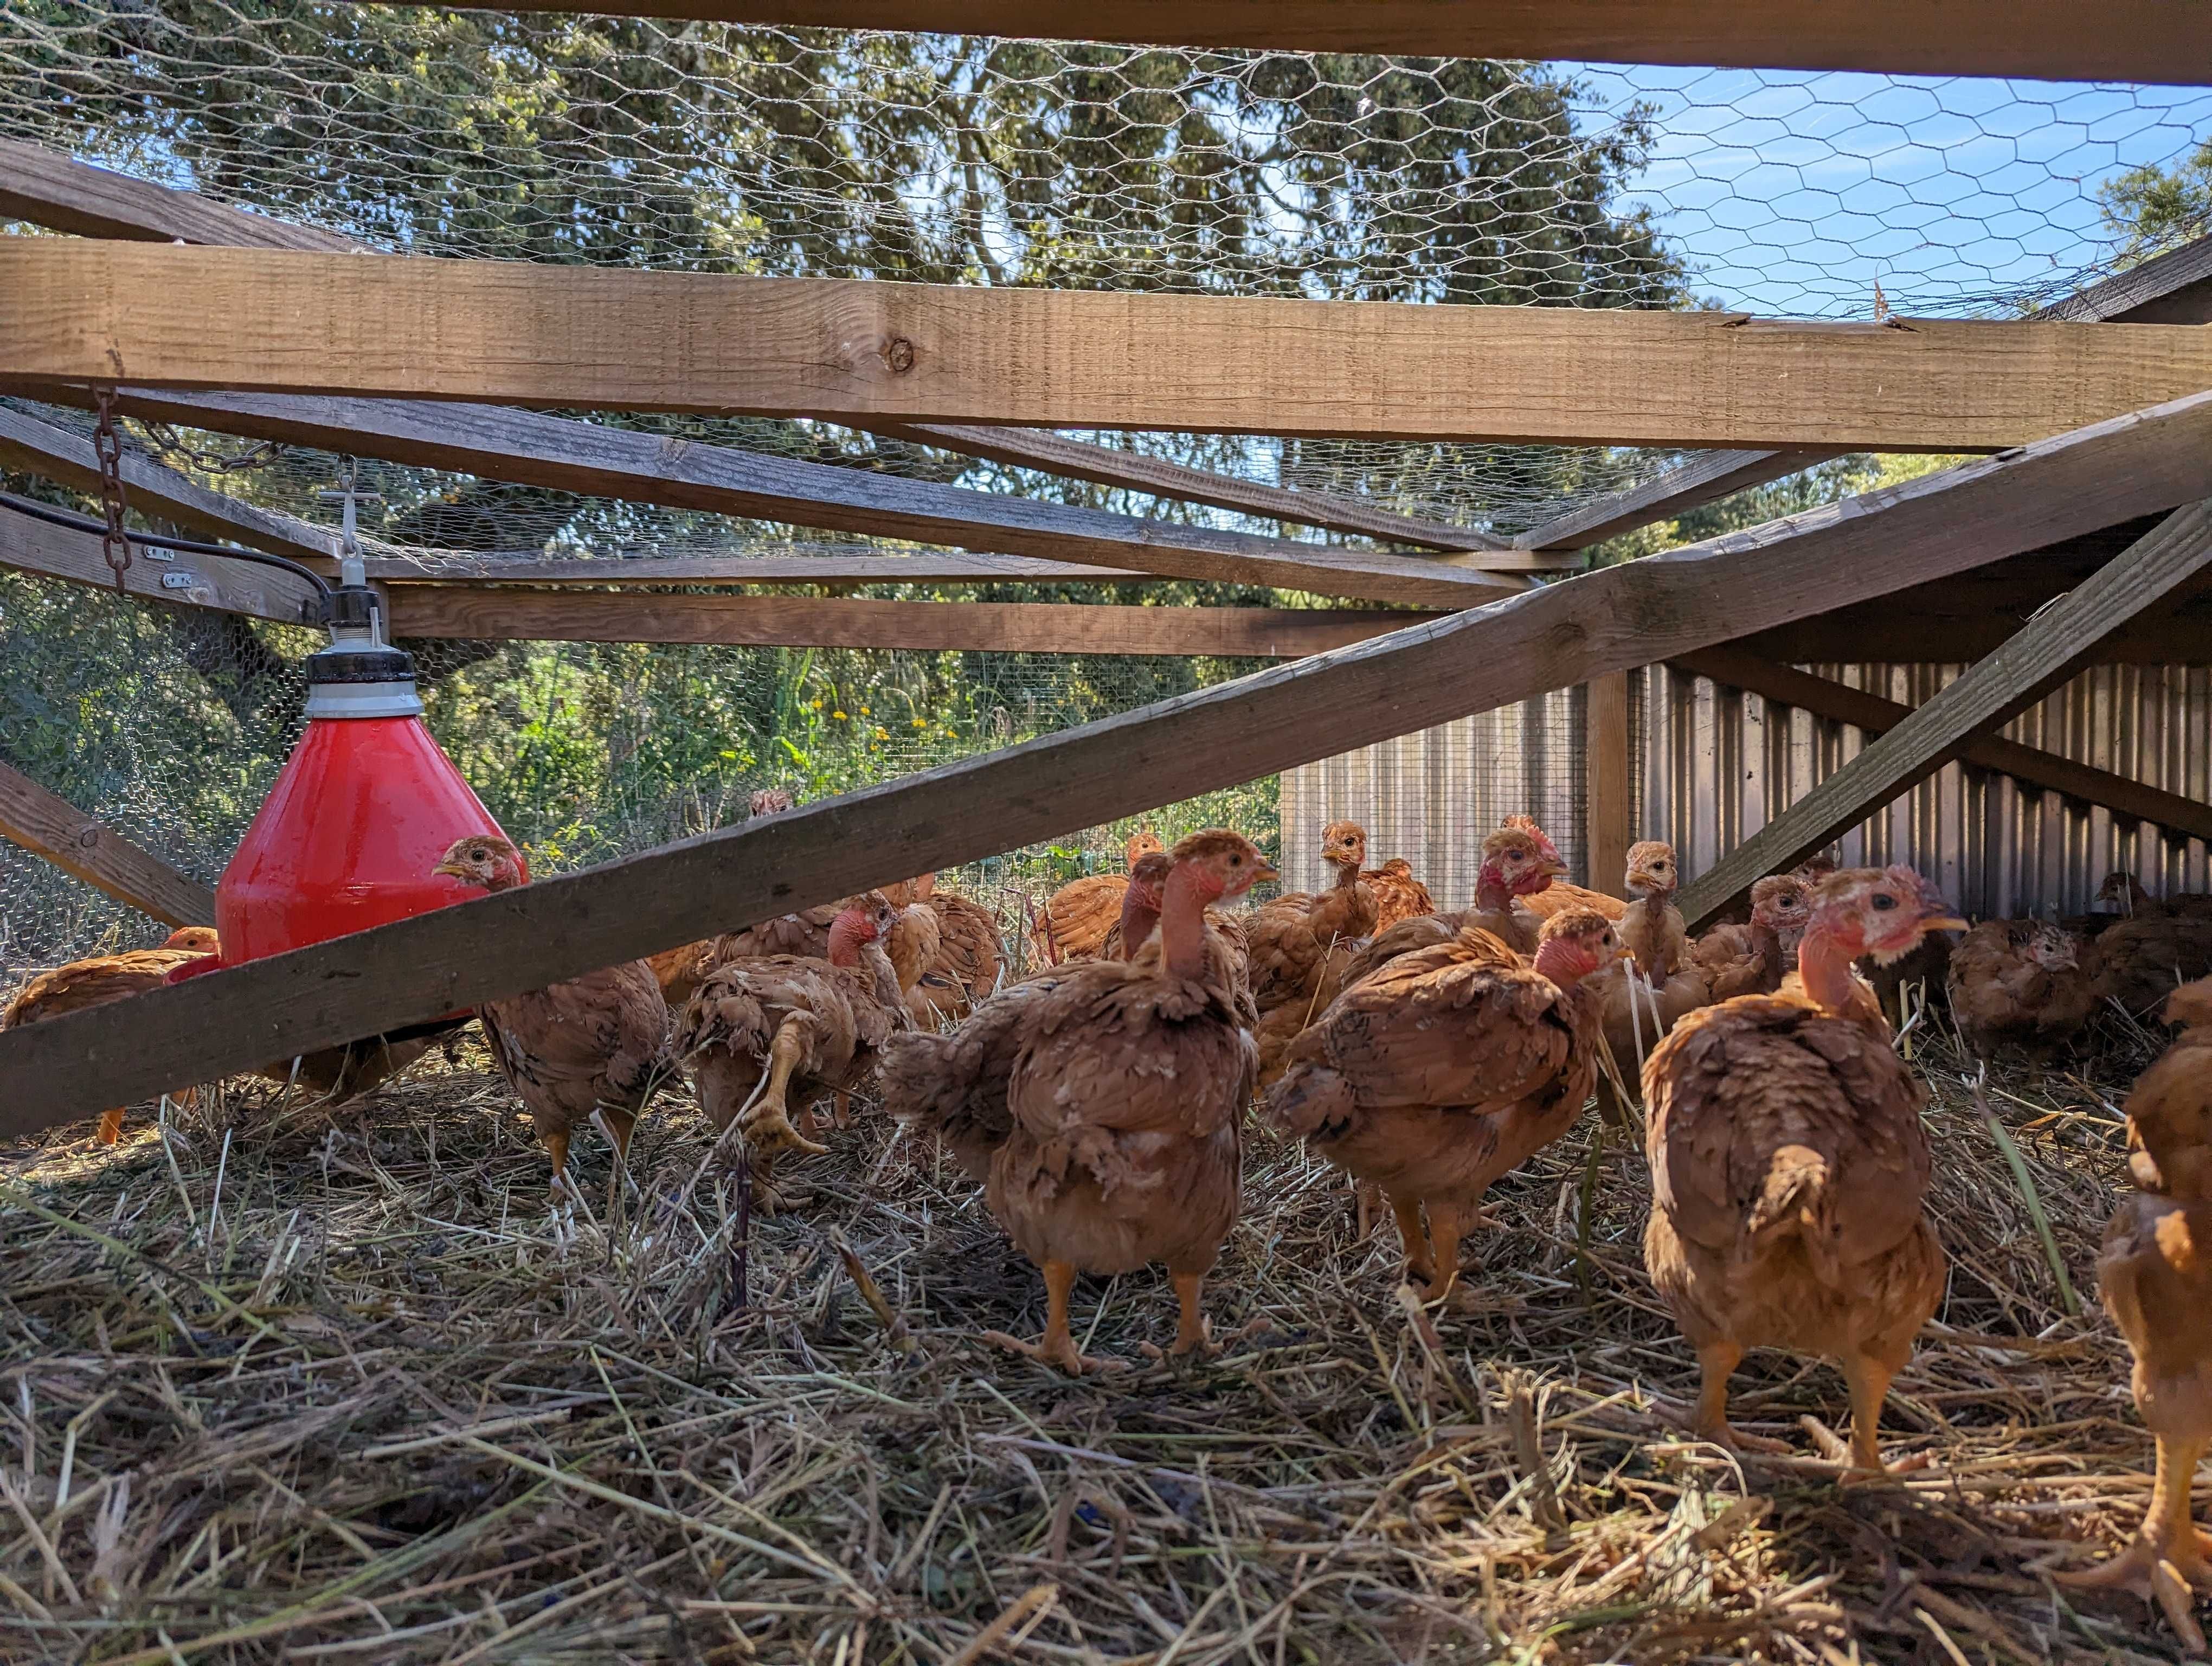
(839, 715)
(882, 734)
(920, 722)
(865, 712)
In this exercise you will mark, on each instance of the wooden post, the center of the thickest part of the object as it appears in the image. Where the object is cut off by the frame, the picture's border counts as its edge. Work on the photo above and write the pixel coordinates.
(1610, 813)
(88, 850)
(2041, 650)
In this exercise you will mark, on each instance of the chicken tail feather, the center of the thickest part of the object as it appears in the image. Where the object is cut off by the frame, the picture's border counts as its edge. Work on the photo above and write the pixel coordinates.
(1312, 1101)
(1792, 1202)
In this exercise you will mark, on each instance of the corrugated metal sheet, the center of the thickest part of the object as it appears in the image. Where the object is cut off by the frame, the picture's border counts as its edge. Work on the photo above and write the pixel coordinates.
(1713, 766)
(1431, 797)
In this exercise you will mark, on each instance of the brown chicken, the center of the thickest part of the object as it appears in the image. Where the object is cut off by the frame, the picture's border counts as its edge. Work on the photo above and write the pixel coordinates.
(1752, 959)
(913, 944)
(2021, 981)
(1226, 948)
(2140, 962)
(681, 969)
(2125, 892)
(1560, 895)
(1515, 867)
(1077, 916)
(2156, 1281)
(1297, 942)
(1643, 997)
(764, 1035)
(83, 984)
(1398, 894)
(968, 957)
(1449, 1067)
(1788, 1162)
(1099, 1104)
(595, 1043)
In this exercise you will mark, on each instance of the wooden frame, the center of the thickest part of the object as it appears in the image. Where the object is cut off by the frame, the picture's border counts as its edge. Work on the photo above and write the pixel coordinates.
(1609, 791)
(2045, 40)
(494, 332)
(1669, 605)
(591, 459)
(89, 849)
(2043, 651)
(506, 613)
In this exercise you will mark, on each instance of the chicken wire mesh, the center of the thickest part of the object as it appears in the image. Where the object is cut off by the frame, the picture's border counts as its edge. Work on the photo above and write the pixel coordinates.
(170, 725)
(963, 159)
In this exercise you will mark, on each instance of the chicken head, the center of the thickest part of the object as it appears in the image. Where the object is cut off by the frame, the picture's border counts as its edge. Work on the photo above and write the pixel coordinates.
(199, 939)
(1344, 844)
(489, 864)
(1575, 943)
(1782, 904)
(1651, 870)
(1142, 843)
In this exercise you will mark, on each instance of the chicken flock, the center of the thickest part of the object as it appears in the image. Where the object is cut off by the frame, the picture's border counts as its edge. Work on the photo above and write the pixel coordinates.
(1097, 1088)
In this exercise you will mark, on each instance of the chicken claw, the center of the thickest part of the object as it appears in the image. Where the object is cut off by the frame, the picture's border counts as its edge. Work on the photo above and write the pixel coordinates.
(1051, 1350)
(2168, 1556)
(769, 1130)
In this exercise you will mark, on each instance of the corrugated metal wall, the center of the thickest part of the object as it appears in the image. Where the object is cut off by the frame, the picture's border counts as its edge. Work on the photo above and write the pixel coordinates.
(1712, 766)
(1431, 797)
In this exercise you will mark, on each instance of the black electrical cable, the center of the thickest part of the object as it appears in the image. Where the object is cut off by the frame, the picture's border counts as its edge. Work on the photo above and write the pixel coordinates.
(54, 517)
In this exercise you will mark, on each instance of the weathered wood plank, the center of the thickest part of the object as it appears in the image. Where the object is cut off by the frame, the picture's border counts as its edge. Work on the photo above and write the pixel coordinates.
(1279, 633)
(1702, 480)
(489, 331)
(609, 462)
(229, 587)
(36, 448)
(1922, 742)
(2030, 766)
(2174, 287)
(45, 188)
(861, 567)
(1077, 459)
(1610, 807)
(89, 849)
(2043, 40)
(1549, 638)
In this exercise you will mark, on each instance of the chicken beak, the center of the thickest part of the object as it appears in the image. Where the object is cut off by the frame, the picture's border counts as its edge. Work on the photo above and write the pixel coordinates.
(452, 870)
(1552, 868)
(1264, 873)
(1943, 922)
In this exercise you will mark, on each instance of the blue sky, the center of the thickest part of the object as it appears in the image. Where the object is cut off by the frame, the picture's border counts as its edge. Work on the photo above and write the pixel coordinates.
(1792, 193)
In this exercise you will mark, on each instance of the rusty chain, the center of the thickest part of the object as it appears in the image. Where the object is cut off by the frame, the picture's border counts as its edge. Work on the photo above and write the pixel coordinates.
(107, 445)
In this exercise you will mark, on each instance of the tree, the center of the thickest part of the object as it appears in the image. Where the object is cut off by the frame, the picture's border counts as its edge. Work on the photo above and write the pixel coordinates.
(2151, 208)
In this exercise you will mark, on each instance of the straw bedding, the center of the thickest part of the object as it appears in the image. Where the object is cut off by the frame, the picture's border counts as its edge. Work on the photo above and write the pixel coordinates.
(282, 1386)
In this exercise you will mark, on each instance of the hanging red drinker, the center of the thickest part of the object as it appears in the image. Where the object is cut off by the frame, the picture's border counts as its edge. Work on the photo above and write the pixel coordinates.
(362, 811)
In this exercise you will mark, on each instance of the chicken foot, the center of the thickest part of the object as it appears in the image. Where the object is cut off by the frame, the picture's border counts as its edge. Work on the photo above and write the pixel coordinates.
(1057, 1346)
(1716, 1362)
(766, 1124)
(2169, 1554)
(1868, 1378)
(111, 1125)
(1191, 1334)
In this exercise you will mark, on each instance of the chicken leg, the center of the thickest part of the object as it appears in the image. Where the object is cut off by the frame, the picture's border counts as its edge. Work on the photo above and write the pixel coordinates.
(111, 1125)
(1868, 1378)
(1447, 1224)
(1408, 1212)
(1057, 1346)
(2169, 1554)
(1191, 1334)
(767, 1124)
(1717, 1360)
(555, 1141)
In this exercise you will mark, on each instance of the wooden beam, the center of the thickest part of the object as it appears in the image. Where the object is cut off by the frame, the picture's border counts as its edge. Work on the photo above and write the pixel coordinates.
(2174, 287)
(2030, 766)
(89, 849)
(28, 545)
(36, 448)
(1610, 807)
(1921, 743)
(861, 567)
(1103, 466)
(492, 331)
(503, 614)
(1549, 638)
(2038, 39)
(597, 460)
(1701, 480)
(46, 188)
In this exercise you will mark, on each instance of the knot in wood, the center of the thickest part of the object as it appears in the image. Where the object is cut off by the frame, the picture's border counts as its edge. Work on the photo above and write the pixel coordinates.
(899, 353)
(86, 838)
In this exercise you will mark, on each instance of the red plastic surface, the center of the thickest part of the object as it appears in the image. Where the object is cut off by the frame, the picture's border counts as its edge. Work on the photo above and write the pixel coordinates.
(346, 839)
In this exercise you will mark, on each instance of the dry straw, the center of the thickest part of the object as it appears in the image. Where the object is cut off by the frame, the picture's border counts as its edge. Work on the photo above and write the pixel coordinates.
(384, 1404)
